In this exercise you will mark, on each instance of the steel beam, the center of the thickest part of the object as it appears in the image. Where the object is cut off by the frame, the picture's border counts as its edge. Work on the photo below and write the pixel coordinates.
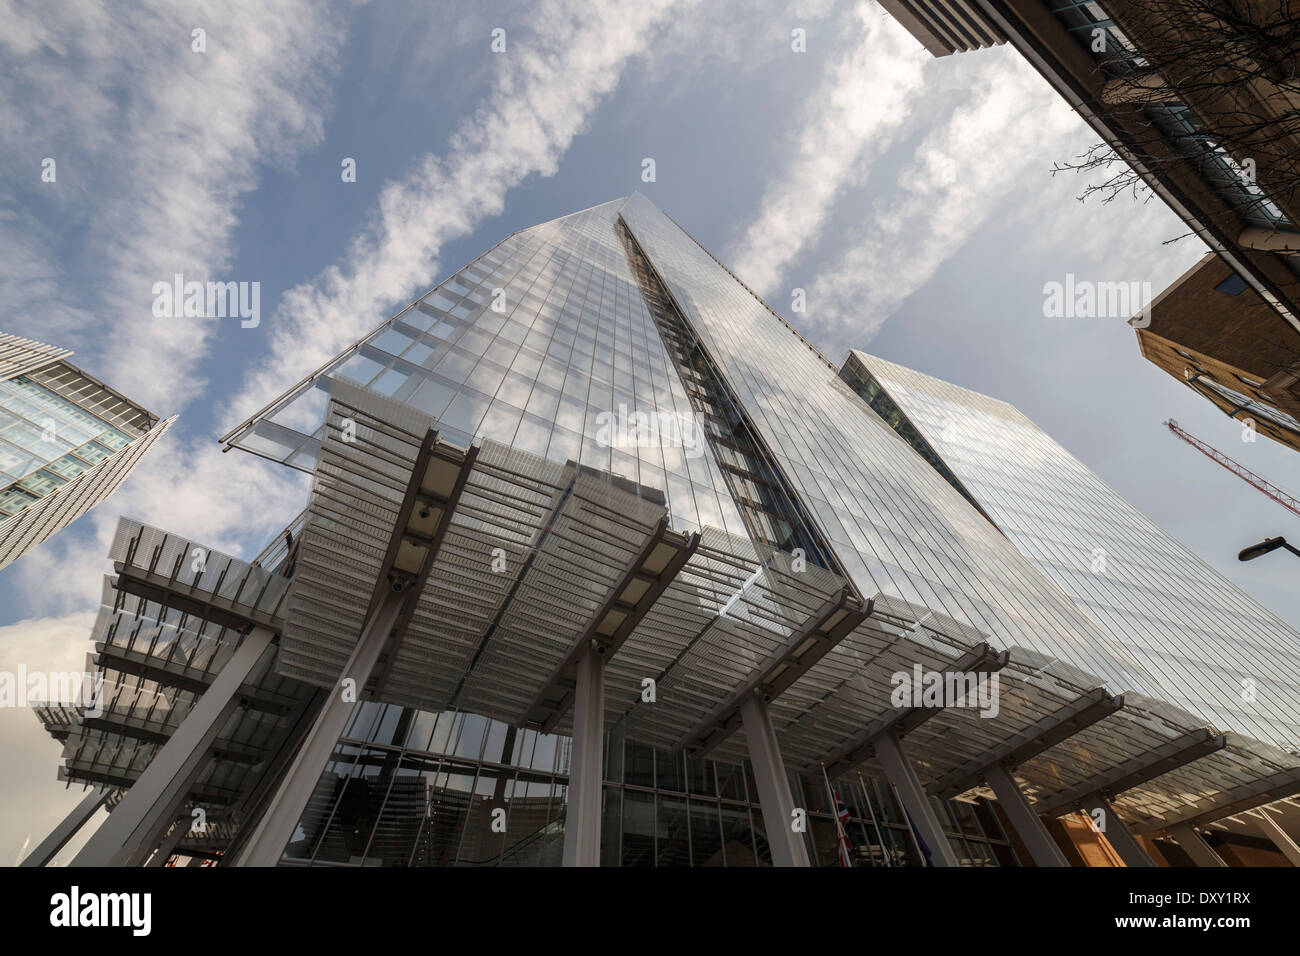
(1282, 784)
(431, 512)
(58, 838)
(915, 802)
(774, 799)
(1137, 771)
(1060, 725)
(1281, 839)
(646, 578)
(1042, 848)
(586, 763)
(829, 625)
(982, 658)
(157, 795)
(1194, 845)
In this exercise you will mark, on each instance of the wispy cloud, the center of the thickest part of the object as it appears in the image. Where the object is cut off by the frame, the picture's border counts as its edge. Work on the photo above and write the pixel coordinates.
(553, 74)
(166, 142)
(1011, 127)
(231, 502)
(853, 118)
(556, 71)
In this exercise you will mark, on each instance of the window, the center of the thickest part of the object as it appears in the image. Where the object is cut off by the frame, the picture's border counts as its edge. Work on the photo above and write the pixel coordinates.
(1233, 285)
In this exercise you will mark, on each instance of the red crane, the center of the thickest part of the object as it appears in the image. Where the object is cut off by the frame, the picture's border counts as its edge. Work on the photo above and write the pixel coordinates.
(1287, 501)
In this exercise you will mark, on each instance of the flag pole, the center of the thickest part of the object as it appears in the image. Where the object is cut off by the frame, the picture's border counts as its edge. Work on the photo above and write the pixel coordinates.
(885, 849)
(841, 837)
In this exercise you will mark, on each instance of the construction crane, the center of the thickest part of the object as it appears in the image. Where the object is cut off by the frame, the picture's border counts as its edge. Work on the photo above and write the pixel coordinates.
(1287, 501)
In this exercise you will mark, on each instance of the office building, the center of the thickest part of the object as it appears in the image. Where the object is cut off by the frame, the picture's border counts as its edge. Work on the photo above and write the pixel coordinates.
(603, 563)
(67, 441)
(1212, 332)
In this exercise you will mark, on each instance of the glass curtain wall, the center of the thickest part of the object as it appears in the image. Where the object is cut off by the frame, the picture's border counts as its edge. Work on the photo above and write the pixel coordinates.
(413, 788)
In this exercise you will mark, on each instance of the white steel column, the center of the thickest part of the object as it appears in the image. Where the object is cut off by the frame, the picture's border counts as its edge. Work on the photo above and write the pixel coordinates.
(1118, 835)
(1281, 839)
(276, 827)
(788, 848)
(586, 762)
(915, 801)
(157, 795)
(58, 837)
(1194, 845)
(1033, 834)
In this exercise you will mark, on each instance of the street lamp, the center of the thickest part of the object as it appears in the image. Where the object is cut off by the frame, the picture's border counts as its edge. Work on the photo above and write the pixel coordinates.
(1264, 547)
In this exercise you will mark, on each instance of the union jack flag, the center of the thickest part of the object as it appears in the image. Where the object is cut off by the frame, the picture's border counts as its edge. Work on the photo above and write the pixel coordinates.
(842, 830)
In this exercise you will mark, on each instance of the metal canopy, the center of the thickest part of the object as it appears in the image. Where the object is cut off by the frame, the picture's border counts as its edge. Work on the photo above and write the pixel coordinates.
(735, 618)
(163, 632)
(852, 687)
(532, 559)
(1244, 774)
(982, 659)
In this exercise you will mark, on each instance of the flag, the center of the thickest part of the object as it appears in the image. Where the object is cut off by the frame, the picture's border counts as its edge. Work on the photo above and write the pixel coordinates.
(841, 822)
(842, 830)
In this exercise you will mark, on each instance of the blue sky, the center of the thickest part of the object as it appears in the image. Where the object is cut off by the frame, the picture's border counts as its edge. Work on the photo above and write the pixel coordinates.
(911, 199)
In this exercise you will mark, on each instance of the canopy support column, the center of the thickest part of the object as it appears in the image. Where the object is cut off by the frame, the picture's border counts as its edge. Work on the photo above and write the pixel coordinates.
(276, 827)
(586, 766)
(156, 797)
(1281, 839)
(1194, 845)
(914, 799)
(1117, 834)
(788, 847)
(1042, 848)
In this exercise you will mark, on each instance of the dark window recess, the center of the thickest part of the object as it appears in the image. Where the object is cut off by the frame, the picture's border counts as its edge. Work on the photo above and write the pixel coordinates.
(871, 392)
(771, 511)
(1233, 285)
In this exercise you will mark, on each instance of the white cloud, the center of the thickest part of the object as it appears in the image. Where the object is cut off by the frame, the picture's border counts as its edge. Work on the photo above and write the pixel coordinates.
(1011, 128)
(231, 502)
(552, 76)
(33, 802)
(162, 144)
(850, 121)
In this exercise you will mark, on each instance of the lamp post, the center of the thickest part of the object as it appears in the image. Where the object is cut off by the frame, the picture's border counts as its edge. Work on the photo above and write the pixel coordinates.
(1264, 547)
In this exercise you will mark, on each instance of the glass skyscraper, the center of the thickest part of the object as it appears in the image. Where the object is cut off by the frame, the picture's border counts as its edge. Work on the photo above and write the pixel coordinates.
(616, 308)
(821, 554)
(1211, 648)
(66, 442)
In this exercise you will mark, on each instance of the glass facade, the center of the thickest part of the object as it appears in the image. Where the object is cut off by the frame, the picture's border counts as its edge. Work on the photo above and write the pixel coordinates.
(616, 315)
(413, 788)
(1212, 649)
(539, 343)
(896, 527)
(66, 442)
(45, 441)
